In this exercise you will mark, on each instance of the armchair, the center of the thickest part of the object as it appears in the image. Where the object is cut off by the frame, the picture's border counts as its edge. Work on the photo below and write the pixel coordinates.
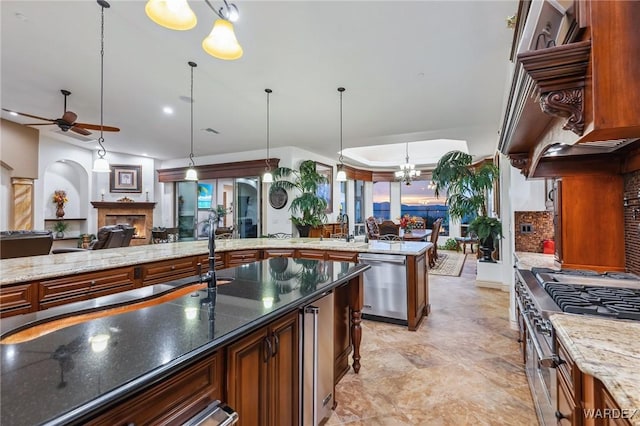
(387, 227)
(373, 231)
(24, 243)
(111, 236)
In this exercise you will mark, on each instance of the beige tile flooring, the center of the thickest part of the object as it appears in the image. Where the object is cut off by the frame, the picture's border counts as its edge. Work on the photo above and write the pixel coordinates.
(462, 367)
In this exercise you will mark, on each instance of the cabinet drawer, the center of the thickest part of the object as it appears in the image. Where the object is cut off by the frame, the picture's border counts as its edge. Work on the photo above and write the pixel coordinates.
(174, 400)
(204, 260)
(242, 256)
(84, 286)
(568, 412)
(569, 371)
(342, 256)
(16, 299)
(161, 272)
(267, 253)
(310, 254)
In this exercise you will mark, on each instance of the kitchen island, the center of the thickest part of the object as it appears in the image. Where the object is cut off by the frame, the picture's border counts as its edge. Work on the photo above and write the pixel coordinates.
(35, 283)
(166, 362)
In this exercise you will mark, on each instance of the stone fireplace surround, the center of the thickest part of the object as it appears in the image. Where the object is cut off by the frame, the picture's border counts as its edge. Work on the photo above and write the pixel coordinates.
(136, 214)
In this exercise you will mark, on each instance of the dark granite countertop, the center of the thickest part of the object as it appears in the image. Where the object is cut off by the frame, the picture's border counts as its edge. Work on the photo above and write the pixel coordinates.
(61, 376)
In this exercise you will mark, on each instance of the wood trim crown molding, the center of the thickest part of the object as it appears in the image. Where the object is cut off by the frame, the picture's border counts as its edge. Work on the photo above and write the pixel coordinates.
(560, 76)
(220, 171)
(122, 205)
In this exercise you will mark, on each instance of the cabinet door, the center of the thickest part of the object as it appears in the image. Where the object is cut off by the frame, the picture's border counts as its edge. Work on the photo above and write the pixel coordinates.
(310, 254)
(568, 413)
(268, 253)
(283, 371)
(557, 219)
(173, 400)
(342, 256)
(17, 299)
(247, 365)
(341, 332)
(242, 256)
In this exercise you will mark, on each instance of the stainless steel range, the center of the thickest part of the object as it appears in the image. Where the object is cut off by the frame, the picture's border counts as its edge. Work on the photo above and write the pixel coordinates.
(542, 292)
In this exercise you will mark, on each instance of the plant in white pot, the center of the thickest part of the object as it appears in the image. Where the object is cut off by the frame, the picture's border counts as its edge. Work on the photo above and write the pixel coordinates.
(307, 208)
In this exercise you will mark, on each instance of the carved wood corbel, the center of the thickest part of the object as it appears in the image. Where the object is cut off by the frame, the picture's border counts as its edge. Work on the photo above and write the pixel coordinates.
(560, 74)
(521, 162)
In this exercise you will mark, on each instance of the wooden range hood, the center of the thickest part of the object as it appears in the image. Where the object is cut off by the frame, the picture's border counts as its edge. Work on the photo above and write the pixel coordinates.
(581, 97)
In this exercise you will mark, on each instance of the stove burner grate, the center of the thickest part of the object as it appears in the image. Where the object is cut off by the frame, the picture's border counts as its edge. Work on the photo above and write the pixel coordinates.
(621, 303)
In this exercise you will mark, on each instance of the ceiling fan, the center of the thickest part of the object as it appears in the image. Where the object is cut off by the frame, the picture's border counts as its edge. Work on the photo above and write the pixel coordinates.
(67, 121)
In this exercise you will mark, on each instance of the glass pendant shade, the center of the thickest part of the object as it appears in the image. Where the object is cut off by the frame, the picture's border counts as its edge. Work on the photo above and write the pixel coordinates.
(267, 177)
(191, 174)
(341, 176)
(222, 42)
(101, 166)
(172, 14)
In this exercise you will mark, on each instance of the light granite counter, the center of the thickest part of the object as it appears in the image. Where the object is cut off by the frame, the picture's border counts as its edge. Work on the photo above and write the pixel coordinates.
(54, 265)
(528, 260)
(608, 350)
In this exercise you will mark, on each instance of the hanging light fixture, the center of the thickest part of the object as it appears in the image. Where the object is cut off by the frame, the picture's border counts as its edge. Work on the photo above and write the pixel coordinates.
(407, 172)
(267, 177)
(222, 43)
(101, 165)
(341, 176)
(191, 171)
(172, 14)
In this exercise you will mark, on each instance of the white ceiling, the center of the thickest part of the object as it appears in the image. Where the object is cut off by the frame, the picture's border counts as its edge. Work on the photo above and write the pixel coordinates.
(413, 71)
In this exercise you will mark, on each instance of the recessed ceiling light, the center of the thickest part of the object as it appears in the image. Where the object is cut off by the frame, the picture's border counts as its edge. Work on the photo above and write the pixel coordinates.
(145, 154)
(167, 110)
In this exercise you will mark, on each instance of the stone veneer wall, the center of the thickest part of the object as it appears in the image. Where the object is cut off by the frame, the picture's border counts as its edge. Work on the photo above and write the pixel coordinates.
(542, 229)
(632, 222)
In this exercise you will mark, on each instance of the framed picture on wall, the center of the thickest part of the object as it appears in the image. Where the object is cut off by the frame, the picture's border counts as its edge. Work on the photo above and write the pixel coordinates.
(325, 190)
(125, 178)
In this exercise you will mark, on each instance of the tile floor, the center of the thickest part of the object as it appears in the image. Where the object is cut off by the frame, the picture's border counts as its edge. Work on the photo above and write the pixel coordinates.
(462, 367)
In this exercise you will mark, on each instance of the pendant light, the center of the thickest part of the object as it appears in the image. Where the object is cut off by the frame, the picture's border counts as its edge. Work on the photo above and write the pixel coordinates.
(341, 176)
(407, 172)
(172, 14)
(267, 177)
(222, 43)
(191, 171)
(101, 165)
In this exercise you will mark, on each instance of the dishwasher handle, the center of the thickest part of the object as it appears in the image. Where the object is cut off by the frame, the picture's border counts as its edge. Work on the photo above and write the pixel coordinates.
(215, 413)
(400, 260)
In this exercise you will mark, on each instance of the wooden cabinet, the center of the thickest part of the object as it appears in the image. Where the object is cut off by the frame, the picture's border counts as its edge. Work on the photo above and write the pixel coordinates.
(167, 270)
(341, 332)
(204, 261)
(568, 411)
(589, 230)
(310, 254)
(342, 256)
(74, 288)
(17, 299)
(262, 374)
(609, 405)
(238, 257)
(173, 400)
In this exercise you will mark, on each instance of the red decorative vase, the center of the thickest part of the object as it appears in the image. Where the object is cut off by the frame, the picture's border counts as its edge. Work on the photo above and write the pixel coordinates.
(60, 210)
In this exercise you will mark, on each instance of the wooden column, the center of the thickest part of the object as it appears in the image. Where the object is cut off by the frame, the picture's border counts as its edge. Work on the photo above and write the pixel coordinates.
(22, 203)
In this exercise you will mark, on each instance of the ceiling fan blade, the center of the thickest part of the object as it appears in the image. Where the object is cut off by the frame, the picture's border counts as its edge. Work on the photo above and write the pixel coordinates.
(29, 115)
(38, 124)
(97, 127)
(69, 116)
(80, 130)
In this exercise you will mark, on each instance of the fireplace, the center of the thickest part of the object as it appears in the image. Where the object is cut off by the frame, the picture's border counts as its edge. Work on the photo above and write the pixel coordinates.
(138, 215)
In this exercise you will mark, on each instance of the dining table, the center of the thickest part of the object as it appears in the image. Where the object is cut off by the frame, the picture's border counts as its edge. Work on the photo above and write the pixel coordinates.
(416, 234)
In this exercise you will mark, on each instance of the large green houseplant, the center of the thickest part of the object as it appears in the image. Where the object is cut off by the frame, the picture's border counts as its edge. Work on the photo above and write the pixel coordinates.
(488, 229)
(466, 186)
(307, 208)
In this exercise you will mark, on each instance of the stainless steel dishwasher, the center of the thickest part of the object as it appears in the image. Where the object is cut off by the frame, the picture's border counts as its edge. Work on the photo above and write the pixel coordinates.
(385, 287)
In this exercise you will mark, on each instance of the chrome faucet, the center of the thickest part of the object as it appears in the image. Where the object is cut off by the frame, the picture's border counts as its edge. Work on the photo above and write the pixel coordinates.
(344, 219)
(210, 278)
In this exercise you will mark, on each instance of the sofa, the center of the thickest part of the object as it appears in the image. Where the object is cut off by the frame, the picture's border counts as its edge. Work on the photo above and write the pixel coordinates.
(24, 243)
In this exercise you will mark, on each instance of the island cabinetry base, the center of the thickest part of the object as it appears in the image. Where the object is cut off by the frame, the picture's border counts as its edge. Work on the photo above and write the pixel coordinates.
(173, 401)
(239, 257)
(263, 374)
(75, 288)
(269, 253)
(167, 270)
(18, 299)
(417, 291)
(204, 262)
(341, 332)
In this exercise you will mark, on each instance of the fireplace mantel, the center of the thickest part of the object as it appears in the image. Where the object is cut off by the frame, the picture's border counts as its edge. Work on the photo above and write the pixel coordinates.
(137, 214)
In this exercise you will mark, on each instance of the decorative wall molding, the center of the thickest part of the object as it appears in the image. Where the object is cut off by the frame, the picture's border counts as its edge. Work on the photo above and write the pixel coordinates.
(566, 103)
(521, 162)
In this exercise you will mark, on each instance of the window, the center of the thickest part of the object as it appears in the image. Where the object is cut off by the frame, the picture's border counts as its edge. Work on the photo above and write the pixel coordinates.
(343, 197)
(382, 200)
(358, 199)
(418, 199)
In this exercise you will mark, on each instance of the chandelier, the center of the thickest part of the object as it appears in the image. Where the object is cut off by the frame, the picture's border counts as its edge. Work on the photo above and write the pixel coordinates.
(407, 172)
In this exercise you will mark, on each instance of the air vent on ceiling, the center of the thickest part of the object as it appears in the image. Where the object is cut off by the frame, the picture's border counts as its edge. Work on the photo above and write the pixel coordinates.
(75, 136)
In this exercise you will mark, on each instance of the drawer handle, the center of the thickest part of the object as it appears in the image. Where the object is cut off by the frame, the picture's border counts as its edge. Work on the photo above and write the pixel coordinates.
(277, 344)
(268, 349)
(173, 267)
(93, 282)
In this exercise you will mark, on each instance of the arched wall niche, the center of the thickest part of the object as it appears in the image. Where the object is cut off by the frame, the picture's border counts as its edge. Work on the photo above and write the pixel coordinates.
(71, 177)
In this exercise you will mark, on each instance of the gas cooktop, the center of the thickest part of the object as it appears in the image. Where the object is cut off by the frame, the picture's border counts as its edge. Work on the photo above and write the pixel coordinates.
(620, 303)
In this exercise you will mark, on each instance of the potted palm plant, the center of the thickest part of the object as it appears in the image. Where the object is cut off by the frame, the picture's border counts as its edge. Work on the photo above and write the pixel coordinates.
(466, 186)
(488, 229)
(307, 208)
